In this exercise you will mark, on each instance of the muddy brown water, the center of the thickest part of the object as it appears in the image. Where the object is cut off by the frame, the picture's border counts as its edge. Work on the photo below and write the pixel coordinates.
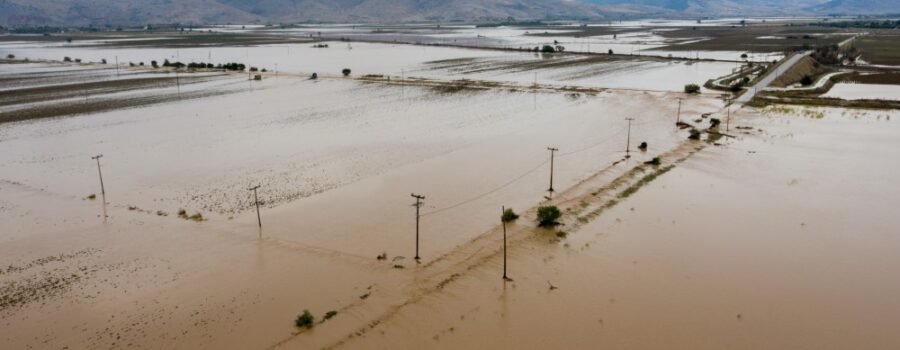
(721, 251)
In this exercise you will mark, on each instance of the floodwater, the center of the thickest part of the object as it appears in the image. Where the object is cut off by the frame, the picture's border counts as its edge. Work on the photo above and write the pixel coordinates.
(779, 237)
(633, 37)
(782, 238)
(399, 60)
(336, 158)
(864, 91)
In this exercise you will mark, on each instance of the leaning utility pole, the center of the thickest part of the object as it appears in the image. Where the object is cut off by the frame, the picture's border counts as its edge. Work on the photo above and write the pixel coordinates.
(628, 139)
(552, 153)
(102, 189)
(256, 201)
(418, 205)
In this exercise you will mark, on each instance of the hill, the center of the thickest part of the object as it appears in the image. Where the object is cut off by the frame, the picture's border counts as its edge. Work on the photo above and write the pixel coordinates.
(137, 12)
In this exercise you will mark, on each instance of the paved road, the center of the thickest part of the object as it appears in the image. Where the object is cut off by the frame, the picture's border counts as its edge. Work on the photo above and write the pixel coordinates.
(768, 79)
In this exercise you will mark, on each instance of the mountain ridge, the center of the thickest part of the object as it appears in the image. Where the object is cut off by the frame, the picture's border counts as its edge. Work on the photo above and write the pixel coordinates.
(140, 12)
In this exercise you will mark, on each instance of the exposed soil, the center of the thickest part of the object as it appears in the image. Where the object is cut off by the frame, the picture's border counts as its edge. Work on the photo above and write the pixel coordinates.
(756, 38)
(807, 66)
(52, 92)
(880, 49)
(886, 78)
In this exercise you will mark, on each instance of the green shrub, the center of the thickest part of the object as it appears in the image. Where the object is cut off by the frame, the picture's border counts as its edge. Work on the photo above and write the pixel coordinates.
(548, 49)
(305, 320)
(692, 88)
(329, 315)
(509, 215)
(346, 71)
(695, 134)
(547, 216)
(806, 81)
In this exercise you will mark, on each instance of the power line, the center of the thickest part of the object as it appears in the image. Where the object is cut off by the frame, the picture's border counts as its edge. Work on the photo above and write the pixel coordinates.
(605, 140)
(628, 138)
(521, 176)
(256, 201)
(99, 172)
(529, 172)
(552, 153)
(418, 205)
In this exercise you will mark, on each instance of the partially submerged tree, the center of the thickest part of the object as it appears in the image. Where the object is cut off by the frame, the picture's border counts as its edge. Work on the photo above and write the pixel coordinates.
(695, 134)
(548, 215)
(509, 215)
(692, 88)
(305, 319)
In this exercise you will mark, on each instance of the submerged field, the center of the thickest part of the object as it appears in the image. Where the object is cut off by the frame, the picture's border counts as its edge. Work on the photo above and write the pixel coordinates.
(771, 218)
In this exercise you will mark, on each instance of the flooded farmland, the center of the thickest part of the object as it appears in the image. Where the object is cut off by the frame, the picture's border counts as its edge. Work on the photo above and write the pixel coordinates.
(208, 207)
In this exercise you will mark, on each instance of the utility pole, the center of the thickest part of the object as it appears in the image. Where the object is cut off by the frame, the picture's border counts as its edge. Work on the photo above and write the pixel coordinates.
(552, 153)
(418, 205)
(117, 66)
(502, 212)
(728, 117)
(102, 189)
(678, 115)
(628, 139)
(256, 201)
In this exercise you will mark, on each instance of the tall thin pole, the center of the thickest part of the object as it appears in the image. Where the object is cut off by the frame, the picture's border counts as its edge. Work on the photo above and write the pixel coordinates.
(678, 115)
(502, 212)
(552, 153)
(117, 66)
(256, 201)
(628, 138)
(728, 117)
(418, 205)
(99, 172)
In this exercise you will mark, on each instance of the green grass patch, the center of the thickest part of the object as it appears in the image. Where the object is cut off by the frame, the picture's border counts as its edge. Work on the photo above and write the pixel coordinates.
(644, 181)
